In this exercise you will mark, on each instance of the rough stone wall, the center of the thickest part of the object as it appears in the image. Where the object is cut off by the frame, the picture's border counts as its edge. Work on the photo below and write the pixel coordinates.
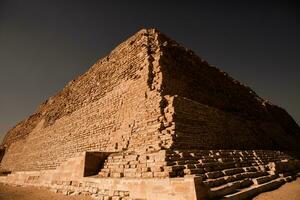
(204, 162)
(124, 63)
(199, 126)
(201, 174)
(178, 163)
(148, 94)
(134, 165)
(110, 188)
(212, 110)
(115, 106)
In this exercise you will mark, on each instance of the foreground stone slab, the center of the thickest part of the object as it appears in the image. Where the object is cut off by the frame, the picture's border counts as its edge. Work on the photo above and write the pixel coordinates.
(73, 177)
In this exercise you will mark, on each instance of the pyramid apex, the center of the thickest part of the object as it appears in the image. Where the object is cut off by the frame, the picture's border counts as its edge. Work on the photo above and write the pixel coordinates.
(157, 36)
(149, 30)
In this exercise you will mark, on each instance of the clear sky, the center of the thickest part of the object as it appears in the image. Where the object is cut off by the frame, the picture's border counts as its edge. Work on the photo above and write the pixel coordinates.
(44, 44)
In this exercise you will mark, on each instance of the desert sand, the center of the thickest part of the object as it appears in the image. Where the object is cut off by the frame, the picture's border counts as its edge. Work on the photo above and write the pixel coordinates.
(33, 193)
(289, 191)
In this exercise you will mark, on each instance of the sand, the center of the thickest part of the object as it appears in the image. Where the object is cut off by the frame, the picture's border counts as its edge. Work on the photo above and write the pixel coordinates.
(289, 191)
(33, 193)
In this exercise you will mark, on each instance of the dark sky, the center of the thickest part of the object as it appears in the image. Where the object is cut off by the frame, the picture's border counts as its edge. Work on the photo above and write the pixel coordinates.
(45, 44)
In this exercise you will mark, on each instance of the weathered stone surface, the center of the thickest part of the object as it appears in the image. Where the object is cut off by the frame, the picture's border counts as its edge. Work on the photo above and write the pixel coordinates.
(213, 182)
(153, 117)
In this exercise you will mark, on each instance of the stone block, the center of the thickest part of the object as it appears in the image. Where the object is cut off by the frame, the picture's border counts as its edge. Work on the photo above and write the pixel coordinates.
(147, 175)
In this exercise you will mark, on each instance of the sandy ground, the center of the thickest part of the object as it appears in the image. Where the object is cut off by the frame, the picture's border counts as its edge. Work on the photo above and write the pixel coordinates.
(32, 193)
(289, 191)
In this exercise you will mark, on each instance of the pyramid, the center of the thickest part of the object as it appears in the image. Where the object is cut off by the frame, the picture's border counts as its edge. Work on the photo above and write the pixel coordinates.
(153, 109)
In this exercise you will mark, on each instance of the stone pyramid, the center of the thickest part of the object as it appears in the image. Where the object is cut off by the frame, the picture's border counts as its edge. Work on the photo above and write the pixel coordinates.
(162, 112)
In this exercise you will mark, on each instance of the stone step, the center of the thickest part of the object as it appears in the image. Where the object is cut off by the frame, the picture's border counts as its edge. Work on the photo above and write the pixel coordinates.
(233, 171)
(254, 190)
(250, 175)
(215, 174)
(227, 179)
(215, 182)
(289, 178)
(250, 169)
(193, 171)
(229, 188)
(213, 164)
(264, 179)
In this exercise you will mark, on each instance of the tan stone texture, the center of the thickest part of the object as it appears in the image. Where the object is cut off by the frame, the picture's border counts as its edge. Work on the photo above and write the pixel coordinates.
(148, 93)
(153, 113)
(109, 108)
